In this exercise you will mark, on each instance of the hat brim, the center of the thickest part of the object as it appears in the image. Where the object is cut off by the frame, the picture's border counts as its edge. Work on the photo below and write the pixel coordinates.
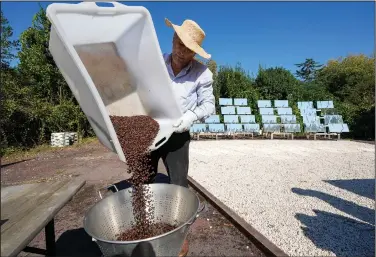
(187, 41)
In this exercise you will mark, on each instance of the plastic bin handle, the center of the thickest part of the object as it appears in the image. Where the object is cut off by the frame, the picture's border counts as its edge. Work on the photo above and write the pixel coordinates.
(104, 10)
(93, 5)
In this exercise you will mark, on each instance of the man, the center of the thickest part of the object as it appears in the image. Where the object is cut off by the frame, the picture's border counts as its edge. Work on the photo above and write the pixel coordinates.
(192, 83)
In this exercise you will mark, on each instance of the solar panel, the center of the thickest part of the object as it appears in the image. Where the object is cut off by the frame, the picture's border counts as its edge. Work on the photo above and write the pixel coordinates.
(196, 128)
(325, 104)
(216, 128)
(234, 127)
(247, 118)
(320, 104)
(212, 119)
(308, 119)
(314, 127)
(266, 119)
(266, 111)
(225, 101)
(338, 128)
(335, 128)
(228, 110)
(240, 101)
(231, 118)
(332, 119)
(243, 110)
(292, 128)
(264, 104)
(281, 103)
(251, 128)
(284, 111)
(305, 105)
(272, 128)
(288, 119)
(310, 111)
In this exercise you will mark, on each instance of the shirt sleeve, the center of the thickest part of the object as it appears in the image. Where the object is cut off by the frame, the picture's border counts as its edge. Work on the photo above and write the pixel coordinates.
(205, 98)
(165, 56)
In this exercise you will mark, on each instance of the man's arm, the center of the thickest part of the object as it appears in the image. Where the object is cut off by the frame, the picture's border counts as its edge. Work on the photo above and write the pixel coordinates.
(205, 98)
(205, 104)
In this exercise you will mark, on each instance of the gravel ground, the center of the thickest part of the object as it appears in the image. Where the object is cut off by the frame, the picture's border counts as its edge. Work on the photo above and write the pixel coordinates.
(307, 197)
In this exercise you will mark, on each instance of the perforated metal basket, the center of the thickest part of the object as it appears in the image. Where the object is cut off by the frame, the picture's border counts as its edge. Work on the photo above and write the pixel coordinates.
(114, 214)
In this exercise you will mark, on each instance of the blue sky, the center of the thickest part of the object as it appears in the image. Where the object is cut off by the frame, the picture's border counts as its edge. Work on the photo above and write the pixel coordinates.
(252, 33)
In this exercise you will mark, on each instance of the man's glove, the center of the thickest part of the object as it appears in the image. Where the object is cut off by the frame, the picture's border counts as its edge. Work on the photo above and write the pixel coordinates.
(185, 122)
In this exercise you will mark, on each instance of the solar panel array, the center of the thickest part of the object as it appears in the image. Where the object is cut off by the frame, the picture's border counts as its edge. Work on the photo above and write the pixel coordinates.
(279, 109)
(276, 116)
(237, 118)
(312, 121)
(333, 121)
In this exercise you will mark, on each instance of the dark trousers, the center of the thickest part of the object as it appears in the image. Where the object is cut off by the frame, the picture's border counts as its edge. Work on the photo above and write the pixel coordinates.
(175, 156)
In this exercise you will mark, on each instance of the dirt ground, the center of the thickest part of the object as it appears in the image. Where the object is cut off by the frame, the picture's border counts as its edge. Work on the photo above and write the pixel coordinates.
(210, 235)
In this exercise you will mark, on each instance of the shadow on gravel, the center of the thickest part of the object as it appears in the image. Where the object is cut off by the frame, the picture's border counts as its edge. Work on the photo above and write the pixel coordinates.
(362, 187)
(76, 242)
(341, 235)
(363, 213)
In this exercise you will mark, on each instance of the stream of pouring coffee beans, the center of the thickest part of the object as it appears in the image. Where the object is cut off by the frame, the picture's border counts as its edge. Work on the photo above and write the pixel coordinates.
(136, 134)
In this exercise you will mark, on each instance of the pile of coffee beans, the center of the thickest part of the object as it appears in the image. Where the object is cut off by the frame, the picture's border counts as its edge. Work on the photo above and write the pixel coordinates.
(155, 230)
(136, 134)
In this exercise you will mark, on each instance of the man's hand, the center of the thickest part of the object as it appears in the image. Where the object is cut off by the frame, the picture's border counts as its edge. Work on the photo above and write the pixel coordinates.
(185, 122)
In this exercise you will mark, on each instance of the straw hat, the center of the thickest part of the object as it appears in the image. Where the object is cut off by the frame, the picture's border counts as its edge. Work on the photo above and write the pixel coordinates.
(191, 35)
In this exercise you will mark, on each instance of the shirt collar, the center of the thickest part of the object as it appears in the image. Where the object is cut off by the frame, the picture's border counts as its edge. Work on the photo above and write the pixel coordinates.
(183, 72)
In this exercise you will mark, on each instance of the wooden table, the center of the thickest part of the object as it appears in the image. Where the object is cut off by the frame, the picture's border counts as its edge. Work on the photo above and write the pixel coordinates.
(27, 209)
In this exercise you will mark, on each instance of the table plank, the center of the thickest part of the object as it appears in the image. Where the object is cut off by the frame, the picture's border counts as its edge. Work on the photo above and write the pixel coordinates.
(9, 193)
(25, 227)
(20, 206)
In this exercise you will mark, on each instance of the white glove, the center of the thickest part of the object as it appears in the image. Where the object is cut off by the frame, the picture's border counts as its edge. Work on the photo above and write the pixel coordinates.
(185, 122)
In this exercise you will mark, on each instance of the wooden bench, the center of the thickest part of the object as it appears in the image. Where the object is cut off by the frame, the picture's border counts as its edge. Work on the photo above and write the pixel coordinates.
(27, 209)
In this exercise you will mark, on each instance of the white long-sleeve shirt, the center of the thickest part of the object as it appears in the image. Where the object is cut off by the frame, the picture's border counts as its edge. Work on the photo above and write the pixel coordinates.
(193, 88)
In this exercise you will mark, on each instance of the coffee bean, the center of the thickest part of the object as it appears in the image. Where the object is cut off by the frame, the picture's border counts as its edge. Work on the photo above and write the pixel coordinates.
(135, 234)
(136, 134)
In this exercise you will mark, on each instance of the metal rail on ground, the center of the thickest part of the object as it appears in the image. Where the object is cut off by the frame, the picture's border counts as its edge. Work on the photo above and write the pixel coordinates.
(250, 232)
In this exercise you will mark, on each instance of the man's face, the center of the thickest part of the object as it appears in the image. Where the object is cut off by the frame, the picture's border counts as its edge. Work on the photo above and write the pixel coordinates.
(181, 55)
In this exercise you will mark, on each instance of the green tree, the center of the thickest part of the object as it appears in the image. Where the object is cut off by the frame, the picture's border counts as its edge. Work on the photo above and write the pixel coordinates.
(9, 84)
(308, 69)
(351, 80)
(8, 46)
(235, 82)
(212, 66)
(276, 83)
(45, 102)
(37, 65)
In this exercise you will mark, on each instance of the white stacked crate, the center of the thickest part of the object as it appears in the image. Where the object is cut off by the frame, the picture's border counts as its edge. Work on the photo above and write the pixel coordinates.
(62, 139)
(58, 140)
(73, 137)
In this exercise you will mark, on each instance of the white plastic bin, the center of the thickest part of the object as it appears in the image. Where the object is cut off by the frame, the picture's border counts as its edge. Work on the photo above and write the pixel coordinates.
(112, 62)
